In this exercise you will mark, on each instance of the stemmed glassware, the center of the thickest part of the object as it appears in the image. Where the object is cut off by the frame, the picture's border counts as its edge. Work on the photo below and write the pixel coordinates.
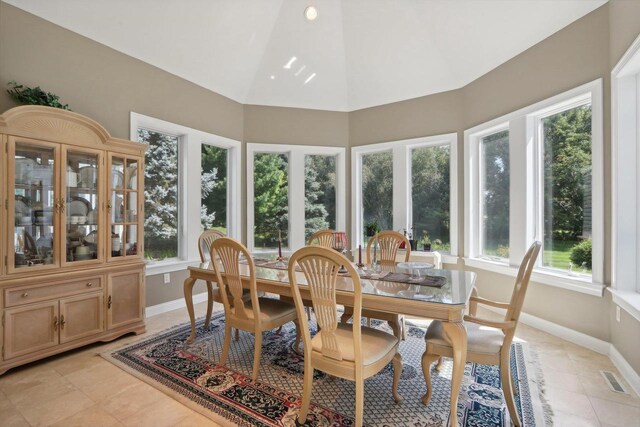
(340, 243)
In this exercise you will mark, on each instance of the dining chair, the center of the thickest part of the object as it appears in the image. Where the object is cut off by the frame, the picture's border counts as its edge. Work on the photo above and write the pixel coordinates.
(205, 240)
(322, 238)
(389, 242)
(257, 315)
(353, 352)
(488, 341)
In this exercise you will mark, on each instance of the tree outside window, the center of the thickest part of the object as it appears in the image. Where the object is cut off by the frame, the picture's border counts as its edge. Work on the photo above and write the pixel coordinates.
(160, 194)
(213, 207)
(567, 190)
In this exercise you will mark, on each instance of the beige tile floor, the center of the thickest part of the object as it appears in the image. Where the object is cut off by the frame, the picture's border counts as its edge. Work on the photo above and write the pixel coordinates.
(80, 388)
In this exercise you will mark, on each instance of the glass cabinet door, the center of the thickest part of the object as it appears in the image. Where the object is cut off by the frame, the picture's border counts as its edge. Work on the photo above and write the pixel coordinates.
(123, 207)
(33, 207)
(81, 208)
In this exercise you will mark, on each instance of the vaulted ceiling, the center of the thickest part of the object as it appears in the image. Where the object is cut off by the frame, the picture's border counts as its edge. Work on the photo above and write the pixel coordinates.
(356, 54)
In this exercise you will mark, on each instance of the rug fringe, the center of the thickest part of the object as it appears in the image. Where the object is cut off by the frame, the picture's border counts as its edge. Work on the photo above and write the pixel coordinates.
(547, 410)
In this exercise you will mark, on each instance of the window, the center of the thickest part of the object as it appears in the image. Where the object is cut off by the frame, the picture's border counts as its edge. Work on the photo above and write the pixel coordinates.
(565, 139)
(430, 196)
(408, 186)
(160, 194)
(185, 167)
(271, 201)
(537, 174)
(283, 179)
(625, 163)
(377, 189)
(213, 192)
(319, 193)
(494, 191)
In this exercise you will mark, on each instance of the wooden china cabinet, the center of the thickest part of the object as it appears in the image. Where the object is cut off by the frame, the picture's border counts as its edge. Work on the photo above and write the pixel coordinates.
(72, 266)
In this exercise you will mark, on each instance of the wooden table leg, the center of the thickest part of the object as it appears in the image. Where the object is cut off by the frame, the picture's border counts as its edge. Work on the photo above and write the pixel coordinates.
(188, 297)
(456, 334)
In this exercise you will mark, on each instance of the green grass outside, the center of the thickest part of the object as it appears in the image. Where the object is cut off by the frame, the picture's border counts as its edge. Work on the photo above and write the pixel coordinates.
(558, 256)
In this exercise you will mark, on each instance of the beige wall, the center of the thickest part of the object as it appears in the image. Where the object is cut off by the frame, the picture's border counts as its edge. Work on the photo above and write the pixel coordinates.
(624, 23)
(106, 85)
(102, 83)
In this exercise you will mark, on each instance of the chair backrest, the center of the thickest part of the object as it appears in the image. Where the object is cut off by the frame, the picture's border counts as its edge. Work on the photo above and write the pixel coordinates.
(320, 267)
(205, 241)
(322, 238)
(226, 253)
(522, 282)
(389, 242)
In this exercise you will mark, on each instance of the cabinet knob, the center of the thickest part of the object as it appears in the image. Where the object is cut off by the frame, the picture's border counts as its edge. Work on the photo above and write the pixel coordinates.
(109, 302)
(55, 323)
(89, 285)
(26, 294)
(62, 322)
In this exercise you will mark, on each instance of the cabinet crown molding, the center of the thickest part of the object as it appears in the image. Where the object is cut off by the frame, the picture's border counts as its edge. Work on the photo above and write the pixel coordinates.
(54, 124)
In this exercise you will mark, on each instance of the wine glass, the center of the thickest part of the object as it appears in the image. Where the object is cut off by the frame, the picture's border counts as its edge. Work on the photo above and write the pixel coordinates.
(340, 243)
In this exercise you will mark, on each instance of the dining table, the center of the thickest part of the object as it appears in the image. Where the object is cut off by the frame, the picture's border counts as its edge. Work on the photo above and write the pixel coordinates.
(446, 302)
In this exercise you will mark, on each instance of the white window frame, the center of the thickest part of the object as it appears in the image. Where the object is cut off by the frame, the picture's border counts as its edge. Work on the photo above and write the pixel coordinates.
(525, 205)
(402, 200)
(296, 164)
(190, 185)
(625, 197)
(473, 189)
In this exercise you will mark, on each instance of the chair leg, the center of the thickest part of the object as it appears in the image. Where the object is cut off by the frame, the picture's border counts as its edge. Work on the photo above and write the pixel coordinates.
(348, 312)
(427, 360)
(298, 336)
(308, 313)
(237, 334)
(404, 328)
(226, 345)
(256, 355)
(439, 364)
(279, 330)
(307, 385)
(505, 380)
(397, 371)
(359, 400)
(209, 305)
(396, 326)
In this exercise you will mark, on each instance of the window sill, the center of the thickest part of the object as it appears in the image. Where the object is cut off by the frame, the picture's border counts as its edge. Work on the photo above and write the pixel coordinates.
(628, 300)
(573, 283)
(169, 266)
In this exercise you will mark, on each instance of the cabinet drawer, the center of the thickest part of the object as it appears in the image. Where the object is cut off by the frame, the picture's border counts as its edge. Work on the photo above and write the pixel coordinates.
(28, 294)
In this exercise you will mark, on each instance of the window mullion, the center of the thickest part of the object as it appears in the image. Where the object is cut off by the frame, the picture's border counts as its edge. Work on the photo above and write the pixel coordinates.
(401, 187)
(296, 199)
(521, 190)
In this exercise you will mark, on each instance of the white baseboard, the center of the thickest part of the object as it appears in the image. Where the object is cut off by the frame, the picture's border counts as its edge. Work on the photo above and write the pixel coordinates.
(567, 334)
(627, 372)
(584, 340)
(154, 310)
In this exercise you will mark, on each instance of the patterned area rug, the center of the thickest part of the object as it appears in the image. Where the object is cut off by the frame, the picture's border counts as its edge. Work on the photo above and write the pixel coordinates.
(228, 395)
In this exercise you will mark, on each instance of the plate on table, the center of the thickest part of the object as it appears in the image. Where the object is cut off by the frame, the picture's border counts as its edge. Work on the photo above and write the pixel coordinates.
(415, 265)
(79, 206)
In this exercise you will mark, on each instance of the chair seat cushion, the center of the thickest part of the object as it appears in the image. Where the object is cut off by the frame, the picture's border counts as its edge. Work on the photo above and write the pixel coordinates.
(480, 339)
(270, 309)
(375, 343)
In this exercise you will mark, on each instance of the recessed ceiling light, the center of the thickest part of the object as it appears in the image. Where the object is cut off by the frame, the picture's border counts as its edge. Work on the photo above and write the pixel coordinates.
(311, 13)
(273, 77)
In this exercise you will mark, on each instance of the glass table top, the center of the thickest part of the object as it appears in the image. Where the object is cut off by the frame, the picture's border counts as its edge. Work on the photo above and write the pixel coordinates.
(456, 290)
